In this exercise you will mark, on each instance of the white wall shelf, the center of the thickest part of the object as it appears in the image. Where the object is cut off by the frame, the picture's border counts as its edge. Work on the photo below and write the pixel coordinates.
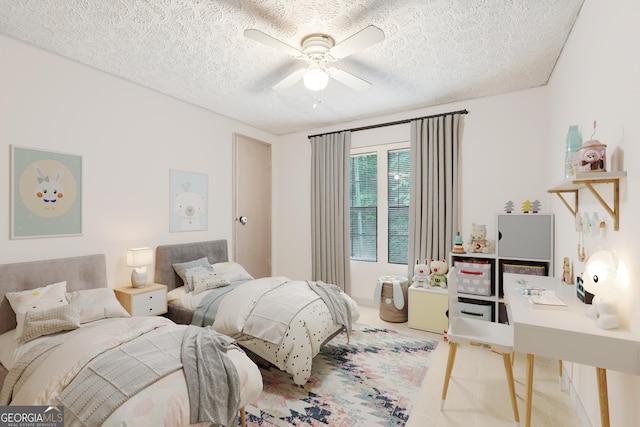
(588, 180)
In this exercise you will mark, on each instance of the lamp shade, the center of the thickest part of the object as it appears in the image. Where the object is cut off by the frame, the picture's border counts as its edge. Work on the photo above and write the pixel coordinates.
(139, 257)
(316, 78)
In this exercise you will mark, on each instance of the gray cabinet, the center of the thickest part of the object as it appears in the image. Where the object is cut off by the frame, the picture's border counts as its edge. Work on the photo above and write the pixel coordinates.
(527, 236)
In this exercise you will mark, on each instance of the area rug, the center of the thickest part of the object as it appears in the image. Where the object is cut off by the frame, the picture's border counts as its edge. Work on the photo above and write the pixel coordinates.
(372, 380)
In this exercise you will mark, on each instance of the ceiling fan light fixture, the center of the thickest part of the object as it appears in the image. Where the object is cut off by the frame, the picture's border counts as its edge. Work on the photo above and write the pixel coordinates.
(316, 78)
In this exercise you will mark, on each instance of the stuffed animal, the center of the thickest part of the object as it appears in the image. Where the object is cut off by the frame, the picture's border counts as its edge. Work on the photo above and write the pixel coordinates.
(592, 157)
(478, 239)
(420, 275)
(438, 276)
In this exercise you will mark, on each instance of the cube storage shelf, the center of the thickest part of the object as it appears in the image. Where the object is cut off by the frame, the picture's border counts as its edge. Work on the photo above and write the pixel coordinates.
(524, 244)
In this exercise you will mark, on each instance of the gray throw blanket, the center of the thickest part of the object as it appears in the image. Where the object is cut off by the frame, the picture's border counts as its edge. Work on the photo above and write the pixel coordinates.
(111, 378)
(338, 306)
(204, 355)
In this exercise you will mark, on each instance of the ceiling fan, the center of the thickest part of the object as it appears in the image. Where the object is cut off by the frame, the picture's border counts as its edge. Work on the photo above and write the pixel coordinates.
(317, 51)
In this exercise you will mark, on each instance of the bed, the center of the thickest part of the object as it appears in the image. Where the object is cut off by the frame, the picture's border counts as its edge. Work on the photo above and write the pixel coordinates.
(62, 342)
(310, 325)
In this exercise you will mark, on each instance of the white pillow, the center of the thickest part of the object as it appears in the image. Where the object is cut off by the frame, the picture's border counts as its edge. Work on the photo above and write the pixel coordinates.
(182, 267)
(234, 271)
(96, 304)
(206, 280)
(37, 299)
(193, 271)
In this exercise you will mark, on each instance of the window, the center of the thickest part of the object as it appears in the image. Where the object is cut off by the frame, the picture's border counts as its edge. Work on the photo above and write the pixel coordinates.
(364, 206)
(398, 168)
(379, 208)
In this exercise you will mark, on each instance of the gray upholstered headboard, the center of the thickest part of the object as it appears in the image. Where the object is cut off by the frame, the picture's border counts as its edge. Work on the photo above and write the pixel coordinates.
(83, 272)
(166, 255)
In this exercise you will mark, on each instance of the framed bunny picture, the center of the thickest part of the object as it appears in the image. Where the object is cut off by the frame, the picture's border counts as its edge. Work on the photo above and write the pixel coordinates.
(46, 193)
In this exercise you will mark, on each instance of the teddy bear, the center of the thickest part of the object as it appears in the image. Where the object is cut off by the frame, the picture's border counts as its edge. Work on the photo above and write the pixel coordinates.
(420, 274)
(438, 276)
(478, 239)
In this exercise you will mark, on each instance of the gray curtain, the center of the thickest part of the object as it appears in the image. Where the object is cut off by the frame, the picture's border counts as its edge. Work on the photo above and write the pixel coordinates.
(433, 210)
(330, 243)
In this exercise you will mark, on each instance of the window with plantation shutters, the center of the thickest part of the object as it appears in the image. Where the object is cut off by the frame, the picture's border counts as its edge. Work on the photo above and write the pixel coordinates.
(379, 203)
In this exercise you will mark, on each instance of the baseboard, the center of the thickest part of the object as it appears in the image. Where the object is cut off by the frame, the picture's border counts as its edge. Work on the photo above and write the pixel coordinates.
(365, 302)
(567, 385)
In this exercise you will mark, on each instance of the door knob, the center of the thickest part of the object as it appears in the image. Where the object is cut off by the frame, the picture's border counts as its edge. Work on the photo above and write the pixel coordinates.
(243, 220)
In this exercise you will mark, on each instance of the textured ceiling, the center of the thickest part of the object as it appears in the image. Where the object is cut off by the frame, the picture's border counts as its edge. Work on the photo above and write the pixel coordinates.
(434, 52)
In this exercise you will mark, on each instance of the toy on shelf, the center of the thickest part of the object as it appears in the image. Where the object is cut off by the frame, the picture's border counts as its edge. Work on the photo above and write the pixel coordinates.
(536, 206)
(458, 247)
(420, 275)
(592, 155)
(567, 273)
(509, 206)
(438, 276)
(478, 240)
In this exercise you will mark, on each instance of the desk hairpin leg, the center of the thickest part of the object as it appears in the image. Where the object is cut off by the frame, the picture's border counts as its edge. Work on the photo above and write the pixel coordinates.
(601, 374)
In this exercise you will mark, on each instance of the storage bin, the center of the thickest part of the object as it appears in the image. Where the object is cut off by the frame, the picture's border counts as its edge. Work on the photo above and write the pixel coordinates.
(388, 310)
(473, 277)
(530, 269)
(475, 311)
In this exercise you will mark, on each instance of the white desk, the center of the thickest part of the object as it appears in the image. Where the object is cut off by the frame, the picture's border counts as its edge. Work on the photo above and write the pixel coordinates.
(567, 334)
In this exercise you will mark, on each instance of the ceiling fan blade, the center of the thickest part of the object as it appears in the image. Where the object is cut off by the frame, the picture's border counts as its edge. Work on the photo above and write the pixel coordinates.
(359, 41)
(290, 80)
(349, 80)
(266, 39)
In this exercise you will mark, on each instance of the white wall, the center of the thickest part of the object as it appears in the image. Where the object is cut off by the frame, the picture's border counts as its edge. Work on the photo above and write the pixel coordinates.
(129, 138)
(598, 78)
(502, 159)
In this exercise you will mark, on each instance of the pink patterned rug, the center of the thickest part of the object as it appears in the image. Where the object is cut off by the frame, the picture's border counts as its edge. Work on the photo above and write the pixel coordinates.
(373, 380)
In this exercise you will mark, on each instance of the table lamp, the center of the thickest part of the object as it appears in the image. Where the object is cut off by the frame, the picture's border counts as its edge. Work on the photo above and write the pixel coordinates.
(605, 276)
(139, 259)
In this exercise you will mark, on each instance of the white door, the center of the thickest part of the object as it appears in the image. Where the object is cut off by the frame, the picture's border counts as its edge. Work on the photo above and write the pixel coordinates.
(252, 205)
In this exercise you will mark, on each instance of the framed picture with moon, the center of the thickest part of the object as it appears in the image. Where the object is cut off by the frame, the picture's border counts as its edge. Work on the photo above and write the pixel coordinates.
(46, 193)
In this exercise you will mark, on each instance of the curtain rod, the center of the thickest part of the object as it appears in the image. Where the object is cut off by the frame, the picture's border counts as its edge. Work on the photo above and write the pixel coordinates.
(399, 122)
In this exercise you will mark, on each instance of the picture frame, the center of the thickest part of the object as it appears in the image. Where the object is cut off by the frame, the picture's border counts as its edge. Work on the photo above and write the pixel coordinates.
(189, 205)
(46, 193)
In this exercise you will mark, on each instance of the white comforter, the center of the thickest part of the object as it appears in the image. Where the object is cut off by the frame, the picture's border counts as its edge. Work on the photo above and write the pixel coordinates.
(163, 403)
(283, 321)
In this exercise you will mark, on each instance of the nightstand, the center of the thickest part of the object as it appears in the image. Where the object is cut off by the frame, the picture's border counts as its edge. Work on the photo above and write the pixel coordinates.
(148, 301)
